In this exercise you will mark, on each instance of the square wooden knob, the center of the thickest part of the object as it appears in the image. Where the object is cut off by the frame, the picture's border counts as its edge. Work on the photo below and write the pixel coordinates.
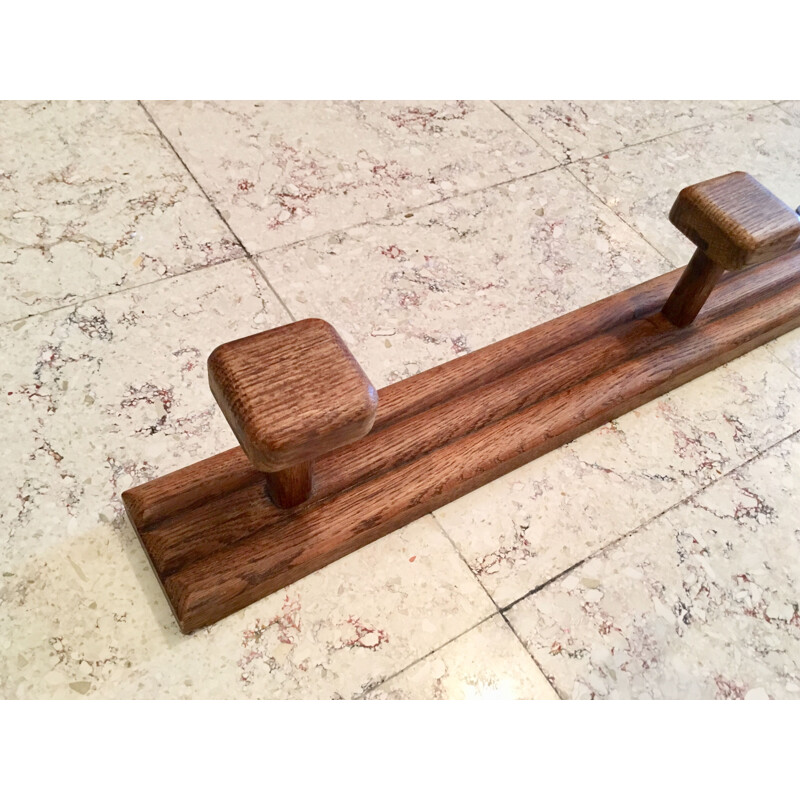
(292, 394)
(735, 221)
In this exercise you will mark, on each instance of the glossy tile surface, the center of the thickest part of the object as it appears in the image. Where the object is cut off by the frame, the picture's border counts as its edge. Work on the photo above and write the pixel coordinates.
(486, 663)
(113, 393)
(423, 287)
(640, 183)
(573, 129)
(281, 172)
(525, 528)
(656, 556)
(787, 349)
(702, 603)
(791, 106)
(91, 201)
(86, 618)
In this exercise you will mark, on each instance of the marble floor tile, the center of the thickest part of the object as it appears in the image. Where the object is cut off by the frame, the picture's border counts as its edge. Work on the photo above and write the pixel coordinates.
(791, 106)
(525, 528)
(92, 200)
(640, 183)
(119, 277)
(86, 618)
(114, 392)
(282, 172)
(418, 289)
(702, 603)
(574, 129)
(787, 349)
(485, 663)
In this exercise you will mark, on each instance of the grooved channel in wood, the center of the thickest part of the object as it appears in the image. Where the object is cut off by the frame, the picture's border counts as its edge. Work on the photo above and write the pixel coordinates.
(217, 543)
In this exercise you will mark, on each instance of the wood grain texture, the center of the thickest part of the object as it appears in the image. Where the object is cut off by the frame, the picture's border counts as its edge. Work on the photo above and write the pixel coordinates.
(692, 290)
(735, 221)
(216, 476)
(291, 486)
(291, 394)
(217, 543)
(221, 474)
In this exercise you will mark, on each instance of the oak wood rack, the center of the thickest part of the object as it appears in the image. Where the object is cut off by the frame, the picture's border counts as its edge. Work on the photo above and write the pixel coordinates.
(327, 464)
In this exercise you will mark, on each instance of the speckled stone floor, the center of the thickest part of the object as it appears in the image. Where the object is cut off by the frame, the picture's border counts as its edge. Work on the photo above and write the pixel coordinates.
(658, 556)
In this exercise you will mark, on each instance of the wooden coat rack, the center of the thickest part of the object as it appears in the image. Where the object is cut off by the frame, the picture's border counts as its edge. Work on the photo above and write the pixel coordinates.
(328, 464)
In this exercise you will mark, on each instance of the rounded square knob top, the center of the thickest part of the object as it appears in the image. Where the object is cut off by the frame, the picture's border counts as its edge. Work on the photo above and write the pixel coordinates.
(735, 220)
(292, 394)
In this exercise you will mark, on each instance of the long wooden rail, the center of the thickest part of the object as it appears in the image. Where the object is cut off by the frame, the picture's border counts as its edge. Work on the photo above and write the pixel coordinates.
(218, 543)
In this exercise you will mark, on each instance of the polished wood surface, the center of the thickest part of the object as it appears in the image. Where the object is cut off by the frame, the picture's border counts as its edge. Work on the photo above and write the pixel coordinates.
(735, 223)
(692, 289)
(735, 220)
(291, 486)
(291, 393)
(228, 545)
(327, 465)
(171, 494)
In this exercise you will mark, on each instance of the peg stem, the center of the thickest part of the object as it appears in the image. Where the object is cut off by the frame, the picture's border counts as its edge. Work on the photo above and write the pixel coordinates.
(291, 486)
(692, 290)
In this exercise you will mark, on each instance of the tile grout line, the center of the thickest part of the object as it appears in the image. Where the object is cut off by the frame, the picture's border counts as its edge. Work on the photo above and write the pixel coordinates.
(759, 454)
(567, 164)
(254, 256)
(505, 113)
(94, 298)
(398, 213)
(477, 580)
(496, 612)
(494, 602)
(621, 218)
(551, 679)
(793, 118)
(373, 687)
(213, 205)
(536, 664)
(732, 115)
(779, 359)
(437, 649)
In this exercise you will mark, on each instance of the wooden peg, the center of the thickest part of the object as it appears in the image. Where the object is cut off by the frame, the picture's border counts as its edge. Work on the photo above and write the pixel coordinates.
(292, 394)
(735, 223)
